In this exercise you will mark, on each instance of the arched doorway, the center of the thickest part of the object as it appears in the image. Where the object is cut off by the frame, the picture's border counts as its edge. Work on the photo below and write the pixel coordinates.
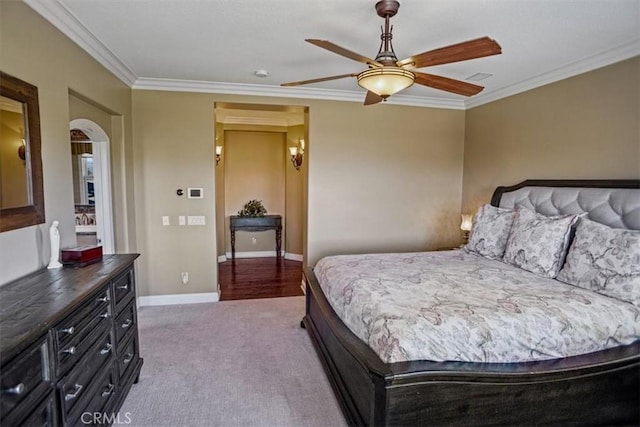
(97, 180)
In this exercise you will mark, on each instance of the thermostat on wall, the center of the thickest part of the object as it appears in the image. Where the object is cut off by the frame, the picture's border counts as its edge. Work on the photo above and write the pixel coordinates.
(195, 193)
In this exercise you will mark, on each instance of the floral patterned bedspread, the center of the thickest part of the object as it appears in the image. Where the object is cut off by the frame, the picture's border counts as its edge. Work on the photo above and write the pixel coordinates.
(457, 306)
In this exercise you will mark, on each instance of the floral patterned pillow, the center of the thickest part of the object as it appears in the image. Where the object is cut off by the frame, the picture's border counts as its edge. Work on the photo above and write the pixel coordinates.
(490, 231)
(605, 260)
(538, 243)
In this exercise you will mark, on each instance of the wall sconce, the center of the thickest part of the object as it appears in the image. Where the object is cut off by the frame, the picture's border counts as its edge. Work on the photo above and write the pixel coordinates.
(218, 154)
(465, 226)
(21, 150)
(297, 154)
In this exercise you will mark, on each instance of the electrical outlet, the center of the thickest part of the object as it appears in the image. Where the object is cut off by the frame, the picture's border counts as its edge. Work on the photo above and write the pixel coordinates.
(165, 220)
(185, 277)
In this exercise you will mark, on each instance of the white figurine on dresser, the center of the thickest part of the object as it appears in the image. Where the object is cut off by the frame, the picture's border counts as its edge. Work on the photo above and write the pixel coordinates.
(54, 237)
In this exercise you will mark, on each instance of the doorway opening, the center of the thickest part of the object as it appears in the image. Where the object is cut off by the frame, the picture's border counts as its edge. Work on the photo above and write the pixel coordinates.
(256, 145)
(91, 168)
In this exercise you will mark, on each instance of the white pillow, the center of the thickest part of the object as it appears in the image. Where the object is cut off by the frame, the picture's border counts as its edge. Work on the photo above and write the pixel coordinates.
(605, 260)
(490, 231)
(538, 243)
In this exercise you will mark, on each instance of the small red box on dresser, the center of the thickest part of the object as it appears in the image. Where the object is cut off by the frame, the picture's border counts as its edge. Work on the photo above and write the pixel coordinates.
(81, 255)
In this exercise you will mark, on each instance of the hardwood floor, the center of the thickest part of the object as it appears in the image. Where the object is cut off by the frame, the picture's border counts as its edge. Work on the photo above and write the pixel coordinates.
(248, 278)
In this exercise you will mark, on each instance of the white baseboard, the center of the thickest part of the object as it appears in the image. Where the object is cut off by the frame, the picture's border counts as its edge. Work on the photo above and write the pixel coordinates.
(257, 254)
(293, 257)
(260, 254)
(304, 288)
(178, 299)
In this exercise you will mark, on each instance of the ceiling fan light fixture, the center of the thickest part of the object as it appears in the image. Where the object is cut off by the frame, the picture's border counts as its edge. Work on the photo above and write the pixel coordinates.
(385, 81)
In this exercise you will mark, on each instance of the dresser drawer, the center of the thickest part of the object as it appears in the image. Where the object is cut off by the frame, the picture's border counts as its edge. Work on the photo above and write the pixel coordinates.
(75, 349)
(44, 415)
(125, 322)
(23, 376)
(74, 387)
(123, 289)
(97, 409)
(128, 355)
(78, 324)
(40, 412)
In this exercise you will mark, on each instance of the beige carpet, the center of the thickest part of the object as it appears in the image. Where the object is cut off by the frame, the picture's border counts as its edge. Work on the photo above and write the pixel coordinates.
(231, 363)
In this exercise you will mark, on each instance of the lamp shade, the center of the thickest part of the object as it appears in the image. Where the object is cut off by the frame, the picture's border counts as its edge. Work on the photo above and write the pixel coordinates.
(293, 150)
(385, 81)
(467, 222)
(218, 150)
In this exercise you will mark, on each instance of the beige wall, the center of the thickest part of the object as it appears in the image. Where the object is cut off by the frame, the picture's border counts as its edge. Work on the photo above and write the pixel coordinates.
(583, 127)
(34, 51)
(174, 134)
(254, 169)
(383, 178)
(80, 109)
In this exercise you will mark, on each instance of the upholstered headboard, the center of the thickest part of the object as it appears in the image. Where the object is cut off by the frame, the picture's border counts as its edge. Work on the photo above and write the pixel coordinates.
(615, 203)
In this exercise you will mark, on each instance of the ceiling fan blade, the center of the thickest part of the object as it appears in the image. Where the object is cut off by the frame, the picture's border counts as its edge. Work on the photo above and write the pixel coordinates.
(447, 84)
(325, 44)
(471, 49)
(372, 98)
(321, 79)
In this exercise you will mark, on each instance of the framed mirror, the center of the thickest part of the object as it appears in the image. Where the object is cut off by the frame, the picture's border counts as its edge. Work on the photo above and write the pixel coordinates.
(21, 191)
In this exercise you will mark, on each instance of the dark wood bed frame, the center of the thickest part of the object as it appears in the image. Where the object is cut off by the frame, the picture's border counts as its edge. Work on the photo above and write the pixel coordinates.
(601, 388)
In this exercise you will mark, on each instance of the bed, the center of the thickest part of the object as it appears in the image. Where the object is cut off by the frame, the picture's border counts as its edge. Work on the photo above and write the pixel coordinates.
(382, 387)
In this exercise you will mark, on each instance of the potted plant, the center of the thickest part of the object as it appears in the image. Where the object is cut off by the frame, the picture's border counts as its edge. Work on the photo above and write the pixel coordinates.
(253, 208)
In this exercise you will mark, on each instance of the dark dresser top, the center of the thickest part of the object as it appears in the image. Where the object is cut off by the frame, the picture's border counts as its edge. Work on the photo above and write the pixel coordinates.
(31, 304)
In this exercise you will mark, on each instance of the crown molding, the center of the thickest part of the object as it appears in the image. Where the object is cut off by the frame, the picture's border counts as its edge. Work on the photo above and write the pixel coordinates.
(602, 59)
(65, 21)
(286, 92)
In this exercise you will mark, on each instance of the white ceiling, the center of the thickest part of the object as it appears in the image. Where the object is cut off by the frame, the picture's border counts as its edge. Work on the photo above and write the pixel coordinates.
(216, 45)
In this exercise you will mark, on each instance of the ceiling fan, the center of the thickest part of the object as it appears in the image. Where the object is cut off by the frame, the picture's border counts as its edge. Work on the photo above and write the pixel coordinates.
(387, 75)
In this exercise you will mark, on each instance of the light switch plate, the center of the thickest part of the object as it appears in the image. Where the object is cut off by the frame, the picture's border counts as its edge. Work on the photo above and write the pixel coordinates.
(181, 220)
(165, 220)
(195, 220)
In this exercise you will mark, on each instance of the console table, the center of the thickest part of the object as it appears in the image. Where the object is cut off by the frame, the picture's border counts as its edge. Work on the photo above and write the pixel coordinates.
(69, 352)
(256, 223)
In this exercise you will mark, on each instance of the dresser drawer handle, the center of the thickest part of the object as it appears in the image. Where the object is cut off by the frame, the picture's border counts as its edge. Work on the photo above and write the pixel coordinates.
(124, 287)
(19, 389)
(106, 349)
(108, 391)
(70, 350)
(126, 324)
(104, 299)
(128, 359)
(70, 330)
(73, 395)
(105, 315)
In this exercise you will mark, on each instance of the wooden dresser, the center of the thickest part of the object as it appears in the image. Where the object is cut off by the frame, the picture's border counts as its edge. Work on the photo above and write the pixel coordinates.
(69, 348)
